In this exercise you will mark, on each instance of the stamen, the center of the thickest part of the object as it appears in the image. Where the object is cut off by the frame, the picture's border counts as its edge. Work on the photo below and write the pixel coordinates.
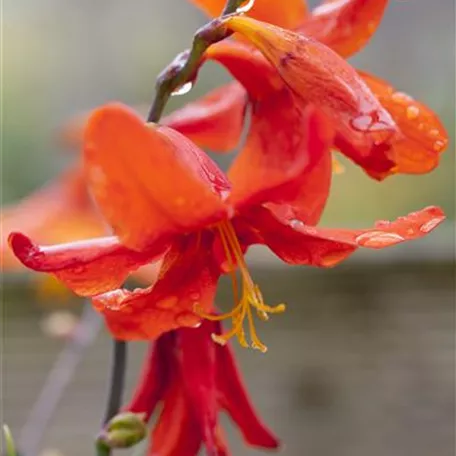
(251, 296)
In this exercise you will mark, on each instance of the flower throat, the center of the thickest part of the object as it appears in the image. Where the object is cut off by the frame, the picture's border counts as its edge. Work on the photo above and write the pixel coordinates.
(247, 297)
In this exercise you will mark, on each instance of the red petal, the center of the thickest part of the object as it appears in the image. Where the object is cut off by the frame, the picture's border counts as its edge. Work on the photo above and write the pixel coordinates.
(214, 121)
(234, 399)
(248, 66)
(154, 379)
(188, 278)
(284, 144)
(132, 169)
(87, 267)
(424, 138)
(198, 364)
(344, 25)
(319, 76)
(59, 212)
(297, 243)
(273, 11)
(176, 432)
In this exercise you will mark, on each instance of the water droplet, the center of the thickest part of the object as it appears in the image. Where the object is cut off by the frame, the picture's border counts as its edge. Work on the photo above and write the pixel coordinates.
(195, 296)
(378, 239)
(187, 319)
(412, 112)
(183, 89)
(245, 8)
(167, 303)
(401, 97)
(434, 132)
(331, 260)
(430, 225)
(295, 223)
(382, 223)
(224, 194)
(439, 145)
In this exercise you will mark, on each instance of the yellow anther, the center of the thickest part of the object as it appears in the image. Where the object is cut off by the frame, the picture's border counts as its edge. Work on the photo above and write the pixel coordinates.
(250, 296)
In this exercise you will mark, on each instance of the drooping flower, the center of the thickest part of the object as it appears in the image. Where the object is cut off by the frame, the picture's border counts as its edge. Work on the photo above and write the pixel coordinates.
(193, 379)
(405, 136)
(59, 212)
(166, 199)
(62, 211)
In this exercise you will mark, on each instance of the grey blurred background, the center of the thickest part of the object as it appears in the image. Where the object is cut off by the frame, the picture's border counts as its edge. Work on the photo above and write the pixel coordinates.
(362, 363)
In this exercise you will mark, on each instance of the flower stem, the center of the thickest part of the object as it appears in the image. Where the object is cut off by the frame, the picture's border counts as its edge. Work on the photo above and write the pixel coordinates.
(185, 66)
(117, 380)
(116, 387)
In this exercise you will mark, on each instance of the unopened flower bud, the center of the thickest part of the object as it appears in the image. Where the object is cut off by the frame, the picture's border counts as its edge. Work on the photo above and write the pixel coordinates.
(123, 431)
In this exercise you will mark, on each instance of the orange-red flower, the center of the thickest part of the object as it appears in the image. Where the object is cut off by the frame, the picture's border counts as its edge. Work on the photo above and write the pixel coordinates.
(401, 135)
(193, 379)
(165, 198)
(59, 212)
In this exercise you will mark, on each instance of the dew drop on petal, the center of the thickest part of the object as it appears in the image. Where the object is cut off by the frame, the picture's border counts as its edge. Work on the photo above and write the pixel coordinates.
(245, 8)
(195, 296)
(430, 225)
(378, 239)
(412, 112)
(167, 303)
(183, 89)
(439, 145)
(188, 319)
(330, 260)
(295, 223)
(224, 194)
(434, 132)
(401, 97)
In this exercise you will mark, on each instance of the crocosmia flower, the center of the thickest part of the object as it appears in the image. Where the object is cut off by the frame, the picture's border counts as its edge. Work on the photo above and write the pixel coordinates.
(61, 211)
(165, 199)
(193, 379)
(401, 135)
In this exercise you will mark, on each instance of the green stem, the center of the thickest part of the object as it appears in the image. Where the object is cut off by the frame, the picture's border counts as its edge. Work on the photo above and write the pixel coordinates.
(185, 65)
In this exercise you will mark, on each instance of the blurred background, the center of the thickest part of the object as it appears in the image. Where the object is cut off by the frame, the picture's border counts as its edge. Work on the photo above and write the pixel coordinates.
(363, 361)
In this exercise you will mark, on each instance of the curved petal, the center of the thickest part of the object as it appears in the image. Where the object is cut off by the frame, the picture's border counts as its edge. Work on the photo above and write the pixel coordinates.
(154, 378)
(148, 180)
(248, 66)
(297, 243)
(61, 211)
(284, 145)
(176, 432)
(198, 364)
(214, 121)
(234, 399)
(86, 267)
(424, 136)
(344, 25)
(272, 11)
(188, 279)
(321, 77)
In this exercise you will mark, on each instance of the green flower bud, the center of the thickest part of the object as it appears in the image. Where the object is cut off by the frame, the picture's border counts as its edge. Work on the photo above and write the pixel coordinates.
(123, 431)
